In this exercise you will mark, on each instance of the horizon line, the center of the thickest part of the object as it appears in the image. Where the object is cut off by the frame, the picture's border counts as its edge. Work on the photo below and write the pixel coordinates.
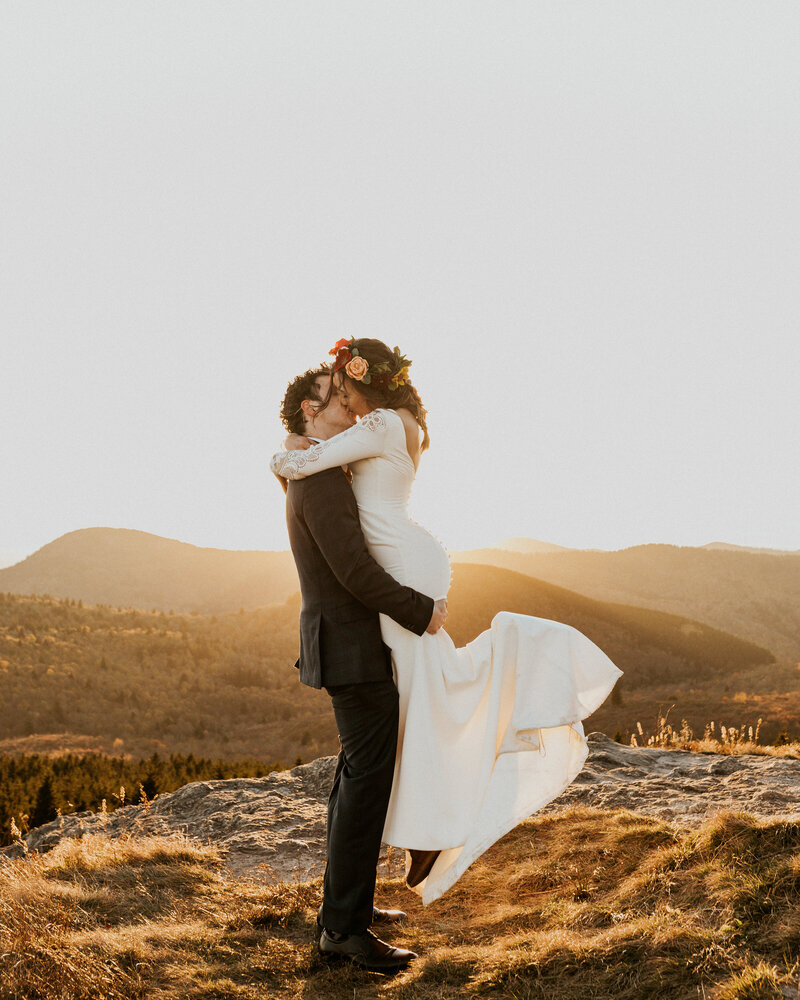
(18, 557)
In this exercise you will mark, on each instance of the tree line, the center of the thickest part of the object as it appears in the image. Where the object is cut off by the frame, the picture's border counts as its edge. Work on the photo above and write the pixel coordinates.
(35, 787)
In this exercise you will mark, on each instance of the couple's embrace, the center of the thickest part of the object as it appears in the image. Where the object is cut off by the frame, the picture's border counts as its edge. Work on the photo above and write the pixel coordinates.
(443, 749)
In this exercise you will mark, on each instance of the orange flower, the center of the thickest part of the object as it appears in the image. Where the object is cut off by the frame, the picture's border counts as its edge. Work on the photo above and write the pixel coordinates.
(341, 345)
(357, 368)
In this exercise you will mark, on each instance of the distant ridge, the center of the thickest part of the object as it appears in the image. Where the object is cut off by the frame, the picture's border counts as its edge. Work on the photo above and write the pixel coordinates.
(725, 546)
(10, 557)
(532, 545)
(753, 595)
(528, 545)
(129, 568)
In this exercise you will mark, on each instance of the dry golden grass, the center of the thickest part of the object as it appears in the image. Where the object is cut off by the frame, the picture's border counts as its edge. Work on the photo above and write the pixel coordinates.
(583, 905)
(741, 739)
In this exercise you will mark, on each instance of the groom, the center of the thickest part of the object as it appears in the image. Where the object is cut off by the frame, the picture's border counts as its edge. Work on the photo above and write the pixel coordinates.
(341, 649)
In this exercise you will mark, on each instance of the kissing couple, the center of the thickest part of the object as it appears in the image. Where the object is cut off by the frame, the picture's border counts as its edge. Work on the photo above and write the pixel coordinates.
(443, 749)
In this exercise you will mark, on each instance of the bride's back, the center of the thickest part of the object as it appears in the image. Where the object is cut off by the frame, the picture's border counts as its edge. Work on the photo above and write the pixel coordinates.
(382, 487)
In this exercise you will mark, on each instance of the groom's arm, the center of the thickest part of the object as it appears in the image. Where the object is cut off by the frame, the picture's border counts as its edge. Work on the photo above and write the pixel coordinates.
(331, 515)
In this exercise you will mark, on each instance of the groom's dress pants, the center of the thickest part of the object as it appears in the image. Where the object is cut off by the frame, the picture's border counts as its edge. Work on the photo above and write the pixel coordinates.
(367, 718)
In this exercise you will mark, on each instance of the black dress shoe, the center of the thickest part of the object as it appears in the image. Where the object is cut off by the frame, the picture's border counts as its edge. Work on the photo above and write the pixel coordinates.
(387, 916)
(365, 950)
(378, 917)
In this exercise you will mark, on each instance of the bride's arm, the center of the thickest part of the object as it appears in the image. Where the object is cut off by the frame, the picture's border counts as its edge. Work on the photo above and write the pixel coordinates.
(366, 439)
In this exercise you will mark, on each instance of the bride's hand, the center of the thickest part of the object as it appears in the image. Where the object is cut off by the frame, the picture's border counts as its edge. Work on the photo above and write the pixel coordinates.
(296, 442)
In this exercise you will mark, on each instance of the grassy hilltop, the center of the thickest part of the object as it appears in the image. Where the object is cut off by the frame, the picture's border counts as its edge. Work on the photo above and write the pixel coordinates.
(588, 903)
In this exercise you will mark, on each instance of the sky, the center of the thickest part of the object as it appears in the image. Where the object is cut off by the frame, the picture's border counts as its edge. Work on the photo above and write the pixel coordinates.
(580, 220)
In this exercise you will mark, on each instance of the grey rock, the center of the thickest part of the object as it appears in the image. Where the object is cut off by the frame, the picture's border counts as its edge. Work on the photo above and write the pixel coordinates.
(273, 828)
(681, 786)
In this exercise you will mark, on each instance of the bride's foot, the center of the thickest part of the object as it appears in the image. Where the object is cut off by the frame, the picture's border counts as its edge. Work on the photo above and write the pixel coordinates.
(421, 864)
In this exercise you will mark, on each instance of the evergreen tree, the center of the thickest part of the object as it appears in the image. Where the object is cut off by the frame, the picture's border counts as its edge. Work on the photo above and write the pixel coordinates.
(45, 809)
(150, 786)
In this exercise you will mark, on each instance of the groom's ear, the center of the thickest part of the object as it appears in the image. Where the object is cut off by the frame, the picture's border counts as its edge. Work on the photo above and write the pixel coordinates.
(309, 409)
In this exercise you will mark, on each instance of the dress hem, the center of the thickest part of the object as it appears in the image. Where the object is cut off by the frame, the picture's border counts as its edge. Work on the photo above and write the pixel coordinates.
(430, 893)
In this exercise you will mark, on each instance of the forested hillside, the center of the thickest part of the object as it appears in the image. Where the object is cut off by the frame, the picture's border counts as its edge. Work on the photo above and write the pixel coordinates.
(138, 681)
(650, 646)
(224, 685)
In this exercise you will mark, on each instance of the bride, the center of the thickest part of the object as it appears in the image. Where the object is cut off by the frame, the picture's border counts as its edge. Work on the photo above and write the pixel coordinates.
(489, 732)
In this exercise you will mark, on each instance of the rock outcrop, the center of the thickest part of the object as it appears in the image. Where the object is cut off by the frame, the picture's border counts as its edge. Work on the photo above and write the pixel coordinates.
(681, 786)
(274, 827)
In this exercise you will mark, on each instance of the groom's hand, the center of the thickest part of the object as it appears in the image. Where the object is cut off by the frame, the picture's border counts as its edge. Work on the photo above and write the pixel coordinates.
(296, 442)
(439, 616)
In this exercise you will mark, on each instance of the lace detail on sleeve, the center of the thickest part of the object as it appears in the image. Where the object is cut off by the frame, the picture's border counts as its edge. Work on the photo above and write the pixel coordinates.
(373, 421)
(366, 439)
(290, 463)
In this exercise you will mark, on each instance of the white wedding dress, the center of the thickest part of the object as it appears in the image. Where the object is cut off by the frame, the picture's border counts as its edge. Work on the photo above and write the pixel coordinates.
(489, 732)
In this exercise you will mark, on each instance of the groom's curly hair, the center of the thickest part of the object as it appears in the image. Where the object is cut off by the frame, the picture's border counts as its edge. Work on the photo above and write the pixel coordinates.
(303, 387)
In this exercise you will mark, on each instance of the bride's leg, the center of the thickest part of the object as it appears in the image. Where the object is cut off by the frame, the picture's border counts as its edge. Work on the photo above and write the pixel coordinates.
(421, 864)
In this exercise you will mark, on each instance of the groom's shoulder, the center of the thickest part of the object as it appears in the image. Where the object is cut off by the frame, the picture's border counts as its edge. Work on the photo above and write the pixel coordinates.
(320, 483)
(320, 494)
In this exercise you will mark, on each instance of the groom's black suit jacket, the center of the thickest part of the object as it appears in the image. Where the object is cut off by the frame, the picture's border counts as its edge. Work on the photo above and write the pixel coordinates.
(342, 587)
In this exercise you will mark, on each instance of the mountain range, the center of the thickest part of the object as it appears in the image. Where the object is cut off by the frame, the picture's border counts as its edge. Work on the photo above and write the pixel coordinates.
(752, 594)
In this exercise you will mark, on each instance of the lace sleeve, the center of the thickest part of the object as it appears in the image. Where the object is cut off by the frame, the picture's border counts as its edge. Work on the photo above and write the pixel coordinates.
(366, 439)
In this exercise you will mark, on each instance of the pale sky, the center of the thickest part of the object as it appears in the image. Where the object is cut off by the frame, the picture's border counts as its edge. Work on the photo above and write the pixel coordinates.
(581, 220)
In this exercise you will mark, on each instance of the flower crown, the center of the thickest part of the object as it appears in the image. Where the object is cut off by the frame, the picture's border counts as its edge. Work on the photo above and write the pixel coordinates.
(384, 375)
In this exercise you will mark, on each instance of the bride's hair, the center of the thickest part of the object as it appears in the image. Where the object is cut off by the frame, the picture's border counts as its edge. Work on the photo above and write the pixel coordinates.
(375, 352)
